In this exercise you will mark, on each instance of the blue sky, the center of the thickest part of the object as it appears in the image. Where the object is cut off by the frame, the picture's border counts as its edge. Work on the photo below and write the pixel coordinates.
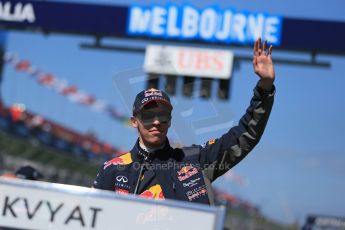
(296, 169)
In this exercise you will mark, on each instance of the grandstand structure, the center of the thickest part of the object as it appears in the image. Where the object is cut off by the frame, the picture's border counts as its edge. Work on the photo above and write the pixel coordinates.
(65, 155)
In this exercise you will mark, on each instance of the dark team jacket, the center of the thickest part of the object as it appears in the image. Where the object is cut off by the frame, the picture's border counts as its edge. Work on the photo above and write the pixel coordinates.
(186, 173)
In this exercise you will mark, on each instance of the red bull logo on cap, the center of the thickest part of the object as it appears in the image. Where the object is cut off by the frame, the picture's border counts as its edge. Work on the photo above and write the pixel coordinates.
(153, 92)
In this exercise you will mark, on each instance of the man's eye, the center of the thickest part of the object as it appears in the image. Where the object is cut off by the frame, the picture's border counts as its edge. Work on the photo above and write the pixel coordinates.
(147, 116)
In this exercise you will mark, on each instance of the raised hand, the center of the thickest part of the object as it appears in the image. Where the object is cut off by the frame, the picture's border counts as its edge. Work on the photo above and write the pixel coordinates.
(263, 64)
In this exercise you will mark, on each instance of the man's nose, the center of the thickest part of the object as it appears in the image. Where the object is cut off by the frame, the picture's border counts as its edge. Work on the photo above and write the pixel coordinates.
(156, 121)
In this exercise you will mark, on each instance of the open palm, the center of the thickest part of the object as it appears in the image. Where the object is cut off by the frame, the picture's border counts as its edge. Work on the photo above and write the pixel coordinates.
(262, 61)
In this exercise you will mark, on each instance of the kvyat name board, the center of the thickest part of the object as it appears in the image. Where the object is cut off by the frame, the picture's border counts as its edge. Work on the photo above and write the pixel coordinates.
(42, 205)
(188, 61)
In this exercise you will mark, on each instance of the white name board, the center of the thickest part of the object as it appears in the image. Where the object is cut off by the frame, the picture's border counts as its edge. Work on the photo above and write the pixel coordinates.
(186, 61)
(42, 205)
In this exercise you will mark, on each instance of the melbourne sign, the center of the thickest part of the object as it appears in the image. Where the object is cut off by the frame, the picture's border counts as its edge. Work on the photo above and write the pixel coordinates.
(172, 22)
(209, 24)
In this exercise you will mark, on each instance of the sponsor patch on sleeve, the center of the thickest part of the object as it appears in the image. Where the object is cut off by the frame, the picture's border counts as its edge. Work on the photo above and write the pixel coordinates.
(121, 160)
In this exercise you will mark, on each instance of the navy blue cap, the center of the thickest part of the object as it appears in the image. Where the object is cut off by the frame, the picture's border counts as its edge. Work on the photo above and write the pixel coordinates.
(149, 95)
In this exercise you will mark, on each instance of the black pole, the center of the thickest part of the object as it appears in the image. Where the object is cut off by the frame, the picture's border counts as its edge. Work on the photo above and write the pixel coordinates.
(1, 70)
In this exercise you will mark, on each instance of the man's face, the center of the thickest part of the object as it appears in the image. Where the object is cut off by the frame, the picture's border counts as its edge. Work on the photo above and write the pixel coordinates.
(152, 122)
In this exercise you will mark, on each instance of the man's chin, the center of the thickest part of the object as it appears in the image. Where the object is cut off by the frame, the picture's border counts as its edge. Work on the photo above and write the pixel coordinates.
(156, 142)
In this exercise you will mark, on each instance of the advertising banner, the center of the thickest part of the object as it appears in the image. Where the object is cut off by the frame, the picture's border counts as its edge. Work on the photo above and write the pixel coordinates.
(188, 61)
(171, 22)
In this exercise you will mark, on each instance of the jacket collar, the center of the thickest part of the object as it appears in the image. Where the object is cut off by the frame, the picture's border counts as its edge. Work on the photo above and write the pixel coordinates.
(140, 155)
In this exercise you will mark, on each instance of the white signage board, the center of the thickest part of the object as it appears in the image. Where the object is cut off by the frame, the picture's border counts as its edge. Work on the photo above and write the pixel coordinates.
(188, 61)
(42, 205)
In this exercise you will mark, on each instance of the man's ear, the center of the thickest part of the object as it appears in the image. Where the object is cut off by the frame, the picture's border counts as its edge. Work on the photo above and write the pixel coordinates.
(134, 122)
